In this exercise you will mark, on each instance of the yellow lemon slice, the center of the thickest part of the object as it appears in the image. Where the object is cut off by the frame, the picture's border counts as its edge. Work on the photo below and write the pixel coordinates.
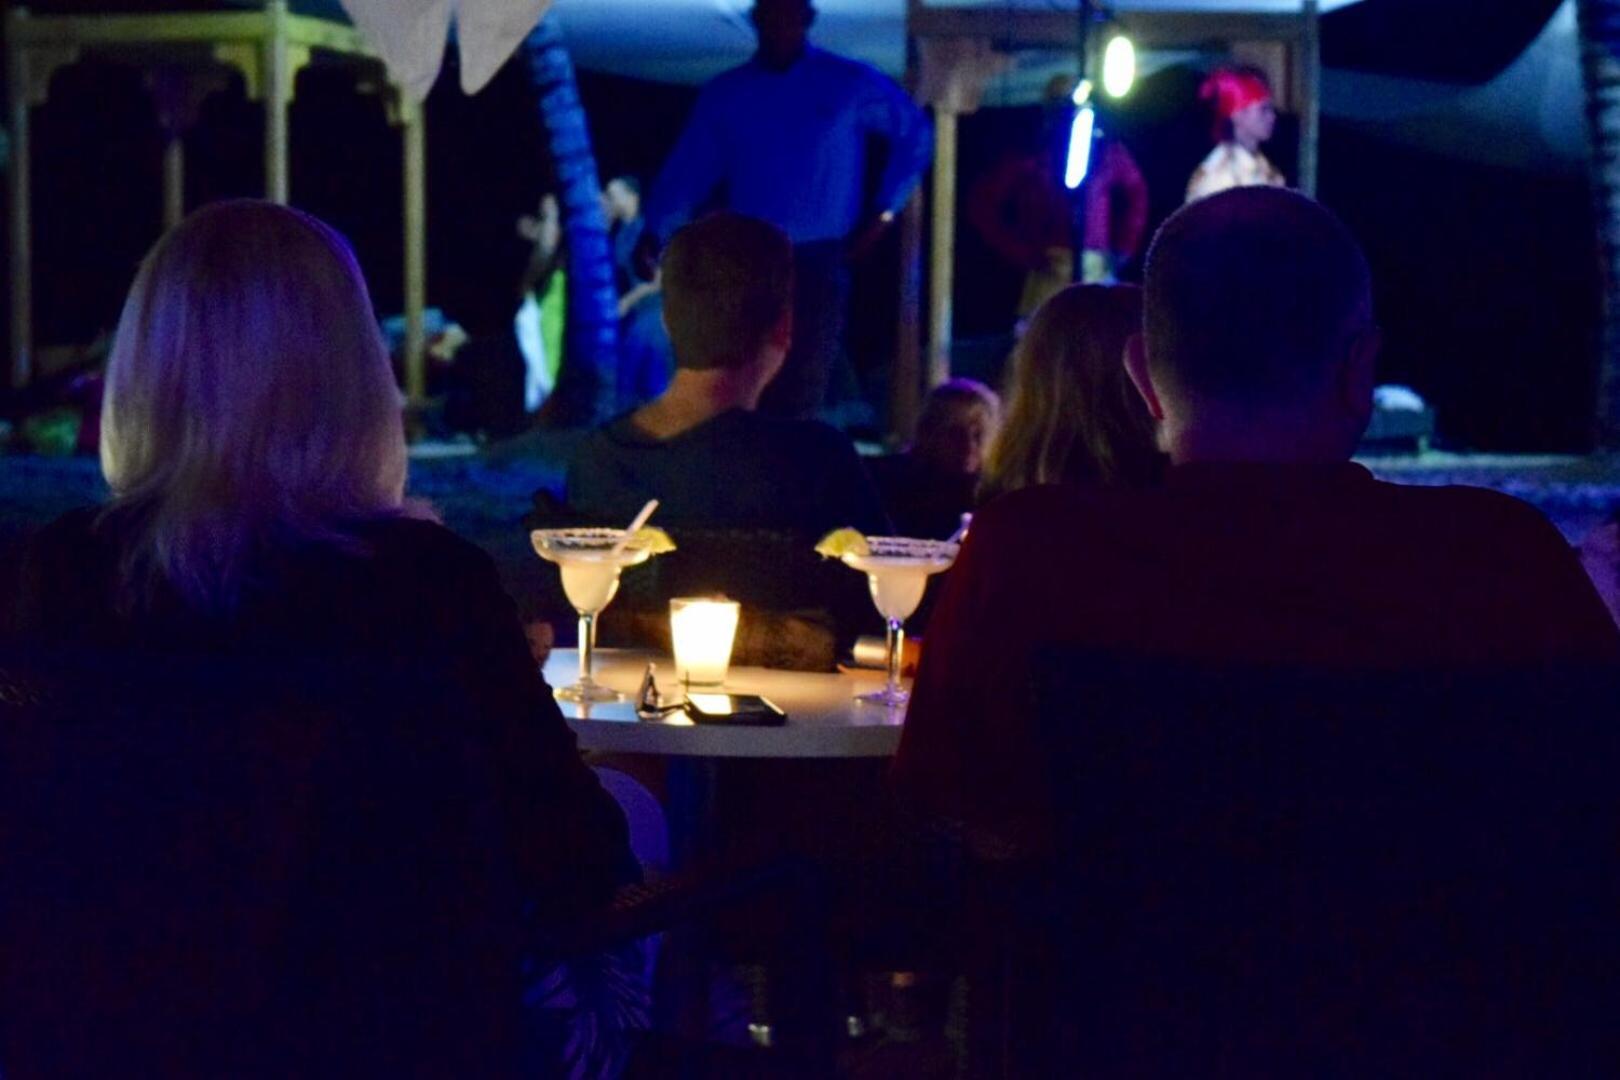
(652, 540)
(841, 542)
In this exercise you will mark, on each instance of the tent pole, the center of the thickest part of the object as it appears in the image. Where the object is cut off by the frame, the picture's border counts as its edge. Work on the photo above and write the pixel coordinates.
(905, 377)
(278, 80)
(905, 374)
(415, 137)
(1309, 66)
(22, 251)
(174, 179)
(942, 263)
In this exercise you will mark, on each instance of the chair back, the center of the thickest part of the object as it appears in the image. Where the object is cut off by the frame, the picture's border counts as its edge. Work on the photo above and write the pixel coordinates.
(1265, 871)
(261, 868)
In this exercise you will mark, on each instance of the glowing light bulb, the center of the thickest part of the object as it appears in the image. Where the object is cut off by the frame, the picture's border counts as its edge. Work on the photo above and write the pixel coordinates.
(1119, 66)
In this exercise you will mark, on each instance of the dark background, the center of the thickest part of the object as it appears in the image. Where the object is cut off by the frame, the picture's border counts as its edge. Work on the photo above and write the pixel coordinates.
(1487, 278)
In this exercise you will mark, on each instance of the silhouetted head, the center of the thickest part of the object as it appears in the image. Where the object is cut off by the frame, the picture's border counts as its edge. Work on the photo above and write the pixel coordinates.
(728, 294)
(1071, 414)
(250, 401)
(783, 27)
(1258, 331)
(1240, 97)
(959, 419)
(621, 199)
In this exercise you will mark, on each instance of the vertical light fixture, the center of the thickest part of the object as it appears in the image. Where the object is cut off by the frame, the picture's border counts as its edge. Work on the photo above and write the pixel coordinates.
(1077, 161)
(1081, 129)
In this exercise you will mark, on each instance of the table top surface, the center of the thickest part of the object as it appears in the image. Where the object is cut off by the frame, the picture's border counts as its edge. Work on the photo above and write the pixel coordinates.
(823, 718)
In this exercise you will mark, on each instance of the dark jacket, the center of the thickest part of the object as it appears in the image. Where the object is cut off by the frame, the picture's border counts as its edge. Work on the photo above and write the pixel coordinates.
(410, 595)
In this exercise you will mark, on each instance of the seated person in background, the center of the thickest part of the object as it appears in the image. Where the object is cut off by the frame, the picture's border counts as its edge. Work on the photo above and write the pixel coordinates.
(621, 205)
(746, 496)
(1072, 415)
(645, 360)
(928, 488)
(700, 448)
(254, 446)
(1263, 544)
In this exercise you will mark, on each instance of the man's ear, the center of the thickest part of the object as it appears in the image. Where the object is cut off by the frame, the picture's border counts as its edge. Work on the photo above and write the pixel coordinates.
(1136, 366)
(1359, 372)
(781, 334)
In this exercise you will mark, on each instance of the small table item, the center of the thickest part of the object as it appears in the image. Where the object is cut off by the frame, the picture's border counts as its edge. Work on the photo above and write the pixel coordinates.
(824, 721)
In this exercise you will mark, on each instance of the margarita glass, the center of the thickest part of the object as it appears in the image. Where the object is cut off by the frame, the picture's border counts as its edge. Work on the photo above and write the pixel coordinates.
(590, 561)
(897, 570)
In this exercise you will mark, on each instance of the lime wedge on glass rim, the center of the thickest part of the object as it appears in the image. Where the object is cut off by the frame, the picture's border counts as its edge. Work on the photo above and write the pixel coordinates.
(841, 543)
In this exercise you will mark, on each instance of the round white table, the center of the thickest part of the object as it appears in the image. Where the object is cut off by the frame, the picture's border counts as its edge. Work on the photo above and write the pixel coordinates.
(823, 718)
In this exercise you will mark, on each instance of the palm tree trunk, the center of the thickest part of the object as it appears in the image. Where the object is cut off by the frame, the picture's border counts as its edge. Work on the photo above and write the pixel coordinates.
(587, 383)
(1600, 58)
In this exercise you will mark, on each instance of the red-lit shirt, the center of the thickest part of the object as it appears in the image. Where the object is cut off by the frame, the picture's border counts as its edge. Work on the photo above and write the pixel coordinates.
(1289, 564)
(1022, 210)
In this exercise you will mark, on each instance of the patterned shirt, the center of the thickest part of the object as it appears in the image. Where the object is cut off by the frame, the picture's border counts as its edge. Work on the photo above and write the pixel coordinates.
(1231, 165)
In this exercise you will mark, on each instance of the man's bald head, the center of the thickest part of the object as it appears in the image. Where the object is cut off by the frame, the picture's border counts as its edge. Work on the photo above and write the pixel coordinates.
(1252, 297)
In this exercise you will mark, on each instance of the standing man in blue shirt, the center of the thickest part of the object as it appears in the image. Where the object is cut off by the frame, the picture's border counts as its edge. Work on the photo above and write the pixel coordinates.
(784, 138)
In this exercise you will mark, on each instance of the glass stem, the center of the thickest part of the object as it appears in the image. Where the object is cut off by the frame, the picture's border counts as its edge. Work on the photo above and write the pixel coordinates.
(587, 647)
(897, 649)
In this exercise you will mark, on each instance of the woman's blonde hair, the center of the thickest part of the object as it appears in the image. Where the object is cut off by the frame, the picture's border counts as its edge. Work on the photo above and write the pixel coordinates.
(250, 404)
(1072, 414)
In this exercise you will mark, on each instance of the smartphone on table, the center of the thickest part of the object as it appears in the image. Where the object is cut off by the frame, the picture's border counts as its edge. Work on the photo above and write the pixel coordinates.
(743, 709)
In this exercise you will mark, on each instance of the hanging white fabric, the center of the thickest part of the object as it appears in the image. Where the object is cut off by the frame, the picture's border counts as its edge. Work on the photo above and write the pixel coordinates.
(409, 35)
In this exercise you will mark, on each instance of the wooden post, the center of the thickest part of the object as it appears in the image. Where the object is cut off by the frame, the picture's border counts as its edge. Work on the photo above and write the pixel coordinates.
(22, 259)
(905, 373)
(952, 77)
(905, 376)
(1309, 66)
(1600, 61)
(415, 137)
(278, 78)
(174, 179)
(942, 259)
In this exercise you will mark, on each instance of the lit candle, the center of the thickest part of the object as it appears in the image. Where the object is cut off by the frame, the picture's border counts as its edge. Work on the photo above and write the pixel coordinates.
(703, 632)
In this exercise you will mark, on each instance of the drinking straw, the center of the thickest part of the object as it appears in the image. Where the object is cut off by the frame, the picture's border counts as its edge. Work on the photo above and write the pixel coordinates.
(638, 522)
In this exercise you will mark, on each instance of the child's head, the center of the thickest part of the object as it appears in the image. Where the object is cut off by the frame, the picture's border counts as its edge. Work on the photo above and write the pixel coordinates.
(958, 421)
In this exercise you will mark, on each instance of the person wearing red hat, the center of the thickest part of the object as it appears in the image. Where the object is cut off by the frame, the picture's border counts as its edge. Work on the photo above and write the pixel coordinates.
(1244, 119)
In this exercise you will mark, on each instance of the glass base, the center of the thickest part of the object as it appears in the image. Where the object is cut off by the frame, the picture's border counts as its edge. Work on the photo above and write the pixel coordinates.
(887, 697)
(588, 691)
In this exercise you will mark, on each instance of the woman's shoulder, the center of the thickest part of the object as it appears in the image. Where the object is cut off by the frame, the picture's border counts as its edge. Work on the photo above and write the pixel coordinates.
(409, 580)
(82, 538)
(64, 576)
(1044, 510)
(427, 545)
(78, 525)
